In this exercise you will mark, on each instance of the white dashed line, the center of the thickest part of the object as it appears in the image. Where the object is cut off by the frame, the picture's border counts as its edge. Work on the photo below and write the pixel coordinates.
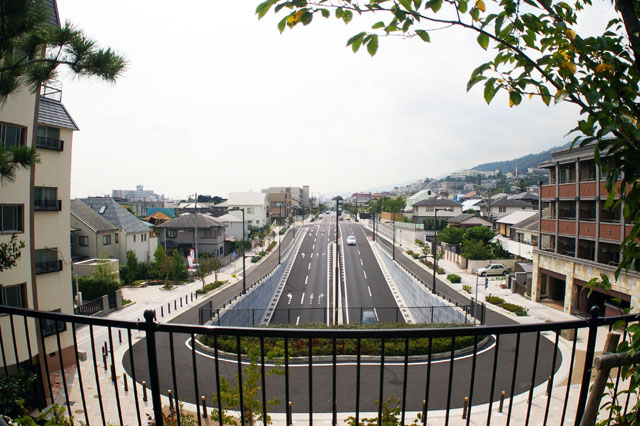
(365, 274)
(302, 300)
(361, 262)
(369, 288)
(297, 320)
(306, 280)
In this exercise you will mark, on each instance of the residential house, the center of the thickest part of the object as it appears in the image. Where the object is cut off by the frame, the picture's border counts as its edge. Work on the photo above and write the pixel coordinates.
(35, 207)
(233, 226)
(505, 206)
(425, 194)
(518, 233)
(254, 205)
(468, 220)
(435, 212)
(280, 206)
(92, 236)
(580, 236)
(133, 234)
(506, 223)
(179, 234)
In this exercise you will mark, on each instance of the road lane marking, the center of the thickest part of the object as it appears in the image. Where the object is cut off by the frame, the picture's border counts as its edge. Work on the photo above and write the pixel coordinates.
(302, 300)
(311, 255)
(369, 288)
(358, 252)
(365, 274)
(289, 295)
(306, 280)
(309, 268)
(297, 320)
(361, 262)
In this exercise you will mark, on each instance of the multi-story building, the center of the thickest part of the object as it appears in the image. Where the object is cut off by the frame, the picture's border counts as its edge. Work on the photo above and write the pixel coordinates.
(35, 207)
(138, 194)
(580, 236)
(254, 205)
(280, 206)
(299, 195)
(180, 234)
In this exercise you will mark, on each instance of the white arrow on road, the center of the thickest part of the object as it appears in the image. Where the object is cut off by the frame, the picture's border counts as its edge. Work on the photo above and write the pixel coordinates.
(289, 295)
(320, 298)
(311, 299)
(302, 254)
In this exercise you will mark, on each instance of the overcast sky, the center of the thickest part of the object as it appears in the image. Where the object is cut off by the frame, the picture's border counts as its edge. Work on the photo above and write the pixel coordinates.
(215, 101)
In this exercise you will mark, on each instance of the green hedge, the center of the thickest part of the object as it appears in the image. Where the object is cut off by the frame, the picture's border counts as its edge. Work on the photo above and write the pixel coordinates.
(454, 278)
(495, 300)
(210, 286)
(409, 252)
(511, 307)
(300, 347)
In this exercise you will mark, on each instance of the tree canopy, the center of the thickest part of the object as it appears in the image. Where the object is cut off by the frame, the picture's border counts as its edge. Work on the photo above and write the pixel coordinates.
(538, 54)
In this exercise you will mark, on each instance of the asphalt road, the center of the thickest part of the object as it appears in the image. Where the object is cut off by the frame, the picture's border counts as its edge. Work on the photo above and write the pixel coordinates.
(448, 382)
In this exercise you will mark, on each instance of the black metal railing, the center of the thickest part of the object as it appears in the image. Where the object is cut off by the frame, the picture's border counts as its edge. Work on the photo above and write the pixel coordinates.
(437, 373)
(49, 143)
(47, 205)
(50, 266)
(89, 308)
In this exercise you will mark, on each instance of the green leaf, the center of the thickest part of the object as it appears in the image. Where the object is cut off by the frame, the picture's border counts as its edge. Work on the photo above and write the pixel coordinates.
(339, 12)
(282, 24)
(560, 96)
(463, 6)
(325, 13)
(377, 25)
(434, 5)
(372, 46)
(515, 97)
(306, 18)
(489, 90)
(475, 80)
(356, 41)
(406, 4)
(483, 40)
(347, 16)
(423, 35)
(264, 7)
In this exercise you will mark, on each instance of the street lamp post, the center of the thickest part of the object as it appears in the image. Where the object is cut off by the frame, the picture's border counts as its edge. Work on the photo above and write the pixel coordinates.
(195, 225)
(435, 245)
(244, 275)
(393, 245)
(337, 259)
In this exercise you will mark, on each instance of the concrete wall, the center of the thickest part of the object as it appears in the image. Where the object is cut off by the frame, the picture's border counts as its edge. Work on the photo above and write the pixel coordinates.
(86, 267)
(416, 295)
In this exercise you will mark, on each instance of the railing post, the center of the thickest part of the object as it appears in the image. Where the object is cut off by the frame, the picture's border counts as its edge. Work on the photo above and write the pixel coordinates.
(150, 330)
(588, 363)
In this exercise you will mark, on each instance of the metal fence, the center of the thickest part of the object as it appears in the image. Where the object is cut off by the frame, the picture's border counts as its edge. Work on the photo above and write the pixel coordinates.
(493, 374)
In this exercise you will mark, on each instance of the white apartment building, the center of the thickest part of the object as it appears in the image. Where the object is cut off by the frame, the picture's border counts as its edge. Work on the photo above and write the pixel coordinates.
(254, 205)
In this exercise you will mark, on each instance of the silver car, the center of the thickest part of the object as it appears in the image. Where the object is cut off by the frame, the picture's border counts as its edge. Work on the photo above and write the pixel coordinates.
(492, 269)
(351, 240)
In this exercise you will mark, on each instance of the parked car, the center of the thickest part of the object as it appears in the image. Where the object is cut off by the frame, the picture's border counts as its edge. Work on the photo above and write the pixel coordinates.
(351, 240)
(492, 269)
(369, 316)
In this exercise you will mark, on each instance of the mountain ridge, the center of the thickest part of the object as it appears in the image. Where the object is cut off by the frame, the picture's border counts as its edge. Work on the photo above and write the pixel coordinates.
(522, 163)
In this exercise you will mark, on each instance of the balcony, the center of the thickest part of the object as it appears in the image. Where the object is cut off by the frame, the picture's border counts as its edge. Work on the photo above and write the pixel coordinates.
(610, 231)
(587, 229)
(49, 143)
(47, 205)
(47, 267)
(548, 191)
(567, 190)
(567, 227)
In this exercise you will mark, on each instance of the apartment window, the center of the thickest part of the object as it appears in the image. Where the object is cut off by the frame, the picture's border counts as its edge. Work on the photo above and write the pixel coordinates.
(502, 209)
(49, 138)
(46, 199)
(134, 238)
(12, 136)
(429, 209)
(567, 173)
(11, 218)
(106, 240)
(47, 261)
(587, 210)
(172, 233)
(83, 240)
(250, 210)
(51, 327)
(115, 237)
(610, 214)
(567, 210)
(144, 236)
(587, 171)
(14, 295)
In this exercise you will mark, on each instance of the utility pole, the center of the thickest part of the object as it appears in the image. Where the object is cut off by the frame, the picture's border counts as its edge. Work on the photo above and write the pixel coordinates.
(195, 223)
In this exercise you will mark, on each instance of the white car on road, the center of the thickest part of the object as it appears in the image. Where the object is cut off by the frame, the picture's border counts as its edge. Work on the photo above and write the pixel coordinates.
(351, 240)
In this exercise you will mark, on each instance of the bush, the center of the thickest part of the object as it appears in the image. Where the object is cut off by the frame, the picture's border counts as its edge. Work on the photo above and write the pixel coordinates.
(466, 288)
(441, 271)
(126, 301)
(13, 388)
(283, 230)
(409, 252)
(415, 255)
(272, 244)
(210, 286)
(419, 242)
(255, 259)
(516, 309)
(494, 300)
(93, 288)
(262, 253)
(454, 278)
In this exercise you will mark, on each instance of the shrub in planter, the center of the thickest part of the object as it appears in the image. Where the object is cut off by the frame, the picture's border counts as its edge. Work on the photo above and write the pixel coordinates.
(255, 259)
(415, 255)
(441, 271)
(409, 252)
(262, 253)
(419, 242)
(454, 278)
(495, 300)
(516, 309)
(466, 288)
